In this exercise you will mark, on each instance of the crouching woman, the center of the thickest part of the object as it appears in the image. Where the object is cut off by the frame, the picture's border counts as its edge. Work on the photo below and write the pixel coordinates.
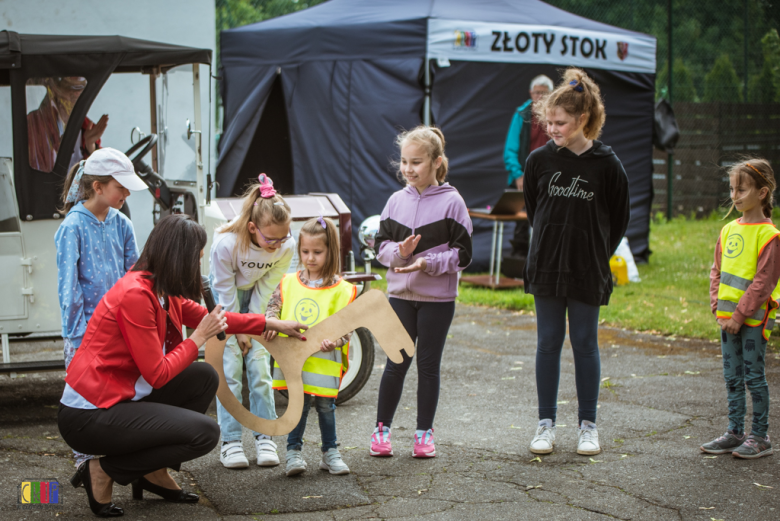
(132, 391)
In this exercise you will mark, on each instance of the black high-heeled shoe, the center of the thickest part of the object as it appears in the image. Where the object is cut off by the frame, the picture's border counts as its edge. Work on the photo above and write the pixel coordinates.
(75, 479)
(99, 509)
(172, 495)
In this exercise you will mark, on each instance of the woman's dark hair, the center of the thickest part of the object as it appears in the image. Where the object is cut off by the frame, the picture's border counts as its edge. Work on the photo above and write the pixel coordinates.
(172, 257)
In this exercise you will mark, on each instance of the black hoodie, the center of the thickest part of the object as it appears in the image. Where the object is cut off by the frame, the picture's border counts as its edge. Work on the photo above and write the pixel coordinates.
(579, 210)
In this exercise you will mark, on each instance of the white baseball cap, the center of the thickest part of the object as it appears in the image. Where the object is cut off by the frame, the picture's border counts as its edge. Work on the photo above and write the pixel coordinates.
(110, 161)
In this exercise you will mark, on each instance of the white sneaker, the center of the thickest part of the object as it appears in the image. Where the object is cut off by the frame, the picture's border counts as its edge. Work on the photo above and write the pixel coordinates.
(544, 441)
(588, 439)
(295, 463)
(332, 462)
(232, 456)
(266, 451)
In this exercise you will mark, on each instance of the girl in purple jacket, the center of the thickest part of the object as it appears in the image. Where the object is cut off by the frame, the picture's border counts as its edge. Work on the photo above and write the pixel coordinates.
(425, 240)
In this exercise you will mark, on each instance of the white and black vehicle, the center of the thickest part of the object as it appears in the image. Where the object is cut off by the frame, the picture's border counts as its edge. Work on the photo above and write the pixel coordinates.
(67, 73)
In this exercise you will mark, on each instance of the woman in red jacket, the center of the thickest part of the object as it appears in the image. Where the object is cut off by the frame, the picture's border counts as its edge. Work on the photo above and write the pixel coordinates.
(132, 391)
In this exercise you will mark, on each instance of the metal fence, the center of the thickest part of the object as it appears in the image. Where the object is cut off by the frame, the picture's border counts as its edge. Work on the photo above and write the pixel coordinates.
(725, 88)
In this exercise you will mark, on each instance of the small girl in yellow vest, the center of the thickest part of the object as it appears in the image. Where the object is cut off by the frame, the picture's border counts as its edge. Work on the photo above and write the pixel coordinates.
(313, 294)
(744, 295)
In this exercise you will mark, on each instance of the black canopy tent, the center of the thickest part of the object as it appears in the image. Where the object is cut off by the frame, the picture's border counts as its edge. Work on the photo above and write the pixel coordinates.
(350, 74)
(25, 56)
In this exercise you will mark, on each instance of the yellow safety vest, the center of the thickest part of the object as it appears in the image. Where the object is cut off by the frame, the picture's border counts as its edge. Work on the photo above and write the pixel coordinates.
(322, 372)
(741, 245)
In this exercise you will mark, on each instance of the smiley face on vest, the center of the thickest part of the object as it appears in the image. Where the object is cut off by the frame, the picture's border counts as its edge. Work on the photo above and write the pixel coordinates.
(307, 311)
(734, 246)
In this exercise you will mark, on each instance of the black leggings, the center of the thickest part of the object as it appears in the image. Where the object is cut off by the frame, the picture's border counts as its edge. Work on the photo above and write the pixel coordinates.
(428, 324)
(584, 336)
(162, 430)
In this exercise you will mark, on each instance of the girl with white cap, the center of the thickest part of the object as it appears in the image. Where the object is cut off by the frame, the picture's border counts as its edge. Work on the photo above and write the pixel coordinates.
(95, 242)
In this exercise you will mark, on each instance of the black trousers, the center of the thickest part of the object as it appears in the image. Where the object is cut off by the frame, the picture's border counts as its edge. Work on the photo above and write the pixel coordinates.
(428, 323)
(162, 430)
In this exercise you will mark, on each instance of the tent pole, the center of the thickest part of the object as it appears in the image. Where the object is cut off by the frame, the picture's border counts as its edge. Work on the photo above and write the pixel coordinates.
(427, 103)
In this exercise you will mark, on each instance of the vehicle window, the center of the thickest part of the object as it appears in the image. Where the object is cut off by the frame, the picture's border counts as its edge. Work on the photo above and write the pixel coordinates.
(8, 220)
(50, 102)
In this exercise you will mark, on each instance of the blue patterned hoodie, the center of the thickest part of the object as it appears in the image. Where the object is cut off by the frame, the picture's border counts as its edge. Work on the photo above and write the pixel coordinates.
(91, 257)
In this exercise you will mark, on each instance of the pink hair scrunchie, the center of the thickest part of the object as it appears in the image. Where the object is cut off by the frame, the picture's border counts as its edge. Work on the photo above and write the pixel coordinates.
(266, 186)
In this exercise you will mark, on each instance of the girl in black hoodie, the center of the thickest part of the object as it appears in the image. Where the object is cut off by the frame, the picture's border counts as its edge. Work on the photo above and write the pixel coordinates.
(576, 194)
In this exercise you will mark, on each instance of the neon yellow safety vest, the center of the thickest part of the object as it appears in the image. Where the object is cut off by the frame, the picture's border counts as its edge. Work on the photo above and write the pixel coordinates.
(322, 372)
(741, 245)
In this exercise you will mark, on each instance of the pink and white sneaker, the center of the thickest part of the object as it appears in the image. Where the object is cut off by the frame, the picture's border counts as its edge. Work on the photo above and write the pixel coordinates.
(380, 442)
(423, 446)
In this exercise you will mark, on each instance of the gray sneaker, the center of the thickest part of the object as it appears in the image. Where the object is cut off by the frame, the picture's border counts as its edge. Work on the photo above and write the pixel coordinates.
(295, 463)
(754, 447)
(332, 462)
(723, 444)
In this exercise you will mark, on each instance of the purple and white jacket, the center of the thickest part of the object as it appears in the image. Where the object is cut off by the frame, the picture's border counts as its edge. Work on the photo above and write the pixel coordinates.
(440, 217)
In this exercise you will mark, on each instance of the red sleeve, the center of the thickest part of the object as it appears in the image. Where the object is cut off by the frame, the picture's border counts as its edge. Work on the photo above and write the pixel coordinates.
(137, 320)
(715, 278)
(192, 313)
(247, 323)
(764, 282)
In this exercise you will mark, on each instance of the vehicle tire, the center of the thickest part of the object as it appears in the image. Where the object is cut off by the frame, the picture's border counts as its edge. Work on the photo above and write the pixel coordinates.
(361, 363)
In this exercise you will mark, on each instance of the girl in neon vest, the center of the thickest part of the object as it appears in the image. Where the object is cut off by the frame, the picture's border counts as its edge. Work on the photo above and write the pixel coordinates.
(744, 296)
(248, 259)
(313, 294)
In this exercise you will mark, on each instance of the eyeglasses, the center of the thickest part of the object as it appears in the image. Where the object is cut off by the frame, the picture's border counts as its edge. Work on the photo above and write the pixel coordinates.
(274, 242)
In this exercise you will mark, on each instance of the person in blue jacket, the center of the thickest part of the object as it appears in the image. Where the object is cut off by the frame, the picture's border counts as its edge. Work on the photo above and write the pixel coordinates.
(95, 243)
(525, 135)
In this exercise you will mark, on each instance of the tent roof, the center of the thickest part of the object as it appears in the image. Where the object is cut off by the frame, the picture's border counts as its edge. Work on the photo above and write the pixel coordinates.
(365, 29)
(14, 48)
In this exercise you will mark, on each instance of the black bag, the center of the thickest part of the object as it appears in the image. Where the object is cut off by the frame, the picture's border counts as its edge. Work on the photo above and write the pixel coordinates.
(665, 129)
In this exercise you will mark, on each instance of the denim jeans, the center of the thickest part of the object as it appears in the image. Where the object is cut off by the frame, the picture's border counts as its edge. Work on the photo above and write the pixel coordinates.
(258, 374)
(326, 410)
(743, 364)
(70, 347)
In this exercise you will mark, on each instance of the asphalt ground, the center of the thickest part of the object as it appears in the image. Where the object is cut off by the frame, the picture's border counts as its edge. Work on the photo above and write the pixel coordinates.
(664, 397)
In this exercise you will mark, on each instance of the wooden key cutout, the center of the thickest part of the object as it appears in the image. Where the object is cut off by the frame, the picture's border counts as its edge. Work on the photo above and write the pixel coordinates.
(371, 310)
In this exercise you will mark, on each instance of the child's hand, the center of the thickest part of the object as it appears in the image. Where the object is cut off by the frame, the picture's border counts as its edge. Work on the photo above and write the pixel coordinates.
(419, 264)
(245, 343)
(407, 247)
(729, 325)
(327, 346)
(269, 335)
(290, 328)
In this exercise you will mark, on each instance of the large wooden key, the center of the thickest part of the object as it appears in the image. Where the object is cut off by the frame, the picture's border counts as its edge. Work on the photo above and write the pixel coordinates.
(371, 310)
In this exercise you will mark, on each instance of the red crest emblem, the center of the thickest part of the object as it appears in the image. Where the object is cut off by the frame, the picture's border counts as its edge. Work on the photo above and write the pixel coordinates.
(622, 48)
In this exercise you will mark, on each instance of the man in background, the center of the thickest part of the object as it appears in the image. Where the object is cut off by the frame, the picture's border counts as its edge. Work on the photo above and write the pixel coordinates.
(525, 135)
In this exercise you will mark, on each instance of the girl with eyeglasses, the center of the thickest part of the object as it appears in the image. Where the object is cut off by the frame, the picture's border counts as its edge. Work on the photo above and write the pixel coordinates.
(249, 257)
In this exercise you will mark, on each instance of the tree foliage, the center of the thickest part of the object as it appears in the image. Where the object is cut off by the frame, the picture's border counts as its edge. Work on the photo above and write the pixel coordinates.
(702, 31)
(765, 86)
(683, 87)
(722, 82)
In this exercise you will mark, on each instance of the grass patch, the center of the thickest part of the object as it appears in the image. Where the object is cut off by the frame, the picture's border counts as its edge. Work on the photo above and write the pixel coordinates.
(673, 297)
